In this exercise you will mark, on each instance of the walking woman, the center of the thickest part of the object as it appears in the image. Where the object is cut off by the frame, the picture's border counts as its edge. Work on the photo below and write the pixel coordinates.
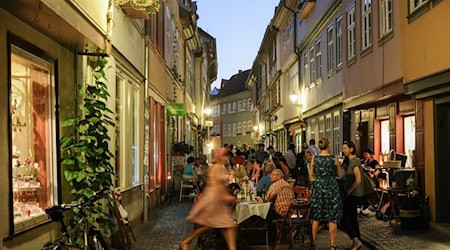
(326, 202)
(213, 210)
(353, 191)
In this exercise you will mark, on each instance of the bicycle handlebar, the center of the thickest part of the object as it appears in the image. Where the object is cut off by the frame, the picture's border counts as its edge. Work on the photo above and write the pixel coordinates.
(56, 212)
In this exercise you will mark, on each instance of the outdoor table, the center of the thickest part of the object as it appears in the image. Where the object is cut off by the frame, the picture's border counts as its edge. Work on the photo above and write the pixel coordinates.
(245, 210)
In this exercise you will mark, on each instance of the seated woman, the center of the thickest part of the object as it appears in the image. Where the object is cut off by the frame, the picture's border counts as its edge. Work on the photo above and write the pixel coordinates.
(257, 172)
(370, 161)
(189, 170)
(265, 181)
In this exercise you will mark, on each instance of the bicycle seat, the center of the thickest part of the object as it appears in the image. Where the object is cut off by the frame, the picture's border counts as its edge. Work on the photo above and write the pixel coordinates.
(55, 212)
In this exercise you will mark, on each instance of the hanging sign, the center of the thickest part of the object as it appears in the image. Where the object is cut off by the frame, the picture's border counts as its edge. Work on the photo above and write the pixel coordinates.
(176, 109)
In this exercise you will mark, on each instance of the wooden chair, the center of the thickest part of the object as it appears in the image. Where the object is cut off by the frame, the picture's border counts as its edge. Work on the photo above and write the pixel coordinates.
(294, 222)
(126, 234)
(186, 186)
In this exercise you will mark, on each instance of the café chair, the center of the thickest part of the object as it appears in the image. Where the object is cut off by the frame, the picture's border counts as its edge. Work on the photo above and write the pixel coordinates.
(189, 186)
(295, 222)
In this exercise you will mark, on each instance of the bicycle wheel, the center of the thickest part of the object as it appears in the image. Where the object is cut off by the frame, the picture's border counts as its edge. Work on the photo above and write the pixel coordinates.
(96, 241)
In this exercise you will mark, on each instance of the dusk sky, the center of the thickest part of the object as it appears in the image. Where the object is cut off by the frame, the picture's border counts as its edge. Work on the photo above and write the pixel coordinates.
(238, 26)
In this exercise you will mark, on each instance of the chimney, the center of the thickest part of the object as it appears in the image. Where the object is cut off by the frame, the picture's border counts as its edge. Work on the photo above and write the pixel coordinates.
(240, 71)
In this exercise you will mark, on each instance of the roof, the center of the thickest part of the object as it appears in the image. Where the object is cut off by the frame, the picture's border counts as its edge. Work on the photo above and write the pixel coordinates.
(234, 85)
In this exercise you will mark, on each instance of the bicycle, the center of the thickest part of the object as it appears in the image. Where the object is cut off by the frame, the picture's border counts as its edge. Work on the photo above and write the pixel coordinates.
(93, 240)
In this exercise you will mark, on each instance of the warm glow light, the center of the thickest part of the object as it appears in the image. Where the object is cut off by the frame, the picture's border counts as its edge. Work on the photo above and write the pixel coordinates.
(207, 111)
(169, 176)
(209, 145)
(294, 98)
(255, 128)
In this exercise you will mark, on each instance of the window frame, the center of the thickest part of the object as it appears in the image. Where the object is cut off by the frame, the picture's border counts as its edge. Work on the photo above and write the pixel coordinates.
(38, 57)
(339, 49)
(312, 65)
(351, 33)
(385, 21)
(318, 60)
(413, 8)
(366, 31)
(330, 49)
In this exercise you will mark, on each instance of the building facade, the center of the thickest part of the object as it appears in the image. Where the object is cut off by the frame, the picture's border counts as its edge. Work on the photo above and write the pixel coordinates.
(427, 79)
(231, 112)
(321, 61)
(49, 49)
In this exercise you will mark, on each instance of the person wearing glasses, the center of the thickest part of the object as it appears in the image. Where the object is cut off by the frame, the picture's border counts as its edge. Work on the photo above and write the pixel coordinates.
(353, 191)
(281, 195)
(326, 202)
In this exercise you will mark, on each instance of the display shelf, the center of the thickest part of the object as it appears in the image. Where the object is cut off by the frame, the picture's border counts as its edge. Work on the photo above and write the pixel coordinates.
(26, 189)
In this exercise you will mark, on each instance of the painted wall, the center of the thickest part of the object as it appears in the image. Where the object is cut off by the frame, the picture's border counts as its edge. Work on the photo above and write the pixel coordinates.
(379, 65)
(128, 38)
(422, 55)
(94, 10)
(428, 119)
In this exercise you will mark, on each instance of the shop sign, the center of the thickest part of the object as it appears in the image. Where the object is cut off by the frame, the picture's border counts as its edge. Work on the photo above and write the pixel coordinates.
(208, 123)
(176, 109)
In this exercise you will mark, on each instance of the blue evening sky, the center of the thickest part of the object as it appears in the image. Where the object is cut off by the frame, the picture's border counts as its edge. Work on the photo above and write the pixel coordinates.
(238, 26)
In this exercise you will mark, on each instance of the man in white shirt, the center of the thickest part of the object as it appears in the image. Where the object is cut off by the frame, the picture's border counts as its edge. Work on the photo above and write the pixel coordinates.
(312, 146)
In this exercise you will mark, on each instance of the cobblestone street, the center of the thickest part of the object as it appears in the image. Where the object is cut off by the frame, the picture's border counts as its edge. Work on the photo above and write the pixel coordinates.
(168, 226)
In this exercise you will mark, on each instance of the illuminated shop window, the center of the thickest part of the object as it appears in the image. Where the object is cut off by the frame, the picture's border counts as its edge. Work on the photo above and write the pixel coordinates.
(32, 138)
(385, 146)
(409, 124)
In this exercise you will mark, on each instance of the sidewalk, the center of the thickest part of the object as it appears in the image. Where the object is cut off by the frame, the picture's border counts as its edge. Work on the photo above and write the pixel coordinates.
(168, 227)
(378, 234)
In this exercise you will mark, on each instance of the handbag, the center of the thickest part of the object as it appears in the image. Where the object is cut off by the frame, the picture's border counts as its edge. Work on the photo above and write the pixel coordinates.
(368, 183)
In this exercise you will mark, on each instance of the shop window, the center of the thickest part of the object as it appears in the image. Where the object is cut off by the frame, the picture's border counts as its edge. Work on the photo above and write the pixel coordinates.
(119, 111)
(336, 133)
(33, 138)
(385, 143)
(409, 126)
(321, 127)
(134, 133)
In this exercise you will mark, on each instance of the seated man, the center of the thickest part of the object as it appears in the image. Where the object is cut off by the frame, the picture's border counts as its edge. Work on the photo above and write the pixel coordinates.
(281, 195)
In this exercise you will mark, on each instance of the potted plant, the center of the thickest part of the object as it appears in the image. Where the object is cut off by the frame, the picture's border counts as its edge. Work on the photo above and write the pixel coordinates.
(182, 148)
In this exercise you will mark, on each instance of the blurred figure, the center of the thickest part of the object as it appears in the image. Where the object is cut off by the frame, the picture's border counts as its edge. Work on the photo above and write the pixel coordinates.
(213, 210)
(309, 156)
(370, 161)
(326, 201)
(251, 155)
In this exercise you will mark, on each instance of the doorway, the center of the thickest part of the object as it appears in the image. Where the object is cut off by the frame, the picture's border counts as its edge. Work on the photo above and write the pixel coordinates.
(442, 144)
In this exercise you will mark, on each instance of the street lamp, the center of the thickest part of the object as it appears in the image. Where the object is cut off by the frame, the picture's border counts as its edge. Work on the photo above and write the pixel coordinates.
(207, 111)
(295, 98)
(256, 128)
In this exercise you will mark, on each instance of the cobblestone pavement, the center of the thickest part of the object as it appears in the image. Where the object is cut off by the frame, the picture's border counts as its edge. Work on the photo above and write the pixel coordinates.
(168, 227)
(381, 235)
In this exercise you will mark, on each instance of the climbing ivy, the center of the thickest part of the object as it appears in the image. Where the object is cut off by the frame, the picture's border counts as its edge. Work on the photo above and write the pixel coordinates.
(85, 154)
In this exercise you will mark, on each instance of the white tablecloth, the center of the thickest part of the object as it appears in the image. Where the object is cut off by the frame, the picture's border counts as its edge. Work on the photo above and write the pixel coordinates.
(246, 210)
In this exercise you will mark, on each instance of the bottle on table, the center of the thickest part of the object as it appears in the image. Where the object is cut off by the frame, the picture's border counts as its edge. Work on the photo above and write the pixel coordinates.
(263, 192)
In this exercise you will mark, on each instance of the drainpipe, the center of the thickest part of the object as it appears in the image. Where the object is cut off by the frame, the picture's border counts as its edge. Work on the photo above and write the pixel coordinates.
(297, 52)
(146, 121)
(184, 81)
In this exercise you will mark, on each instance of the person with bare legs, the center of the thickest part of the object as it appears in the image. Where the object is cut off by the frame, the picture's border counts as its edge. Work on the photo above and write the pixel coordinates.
(213, 210)
(326, 202)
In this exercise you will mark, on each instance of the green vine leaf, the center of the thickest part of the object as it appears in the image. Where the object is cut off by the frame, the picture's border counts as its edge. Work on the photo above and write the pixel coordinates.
(87, 154)
(70, 175)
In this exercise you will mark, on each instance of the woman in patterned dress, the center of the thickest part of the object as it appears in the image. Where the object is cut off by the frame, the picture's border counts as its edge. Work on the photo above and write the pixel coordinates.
(326, 202)
(213, 210)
